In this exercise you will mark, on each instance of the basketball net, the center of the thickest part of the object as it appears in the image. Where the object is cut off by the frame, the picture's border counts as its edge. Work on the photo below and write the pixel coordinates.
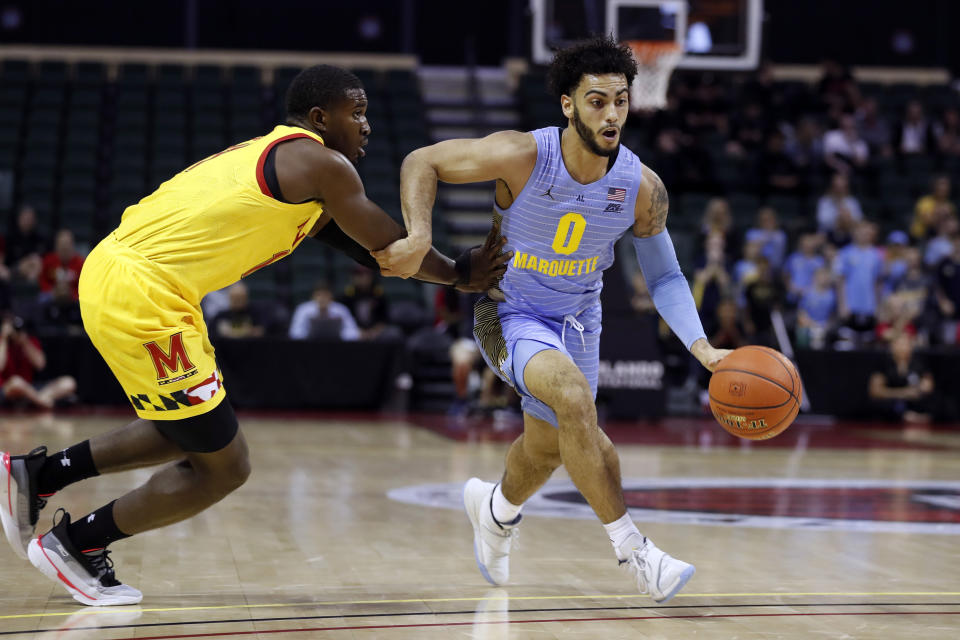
(656, 60)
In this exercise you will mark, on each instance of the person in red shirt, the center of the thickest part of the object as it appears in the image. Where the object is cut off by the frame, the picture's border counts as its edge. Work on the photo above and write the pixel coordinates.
(20, 357)
(62, 265)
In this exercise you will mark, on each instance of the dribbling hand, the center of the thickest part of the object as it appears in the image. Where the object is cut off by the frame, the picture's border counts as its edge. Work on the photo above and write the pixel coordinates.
(708, 356)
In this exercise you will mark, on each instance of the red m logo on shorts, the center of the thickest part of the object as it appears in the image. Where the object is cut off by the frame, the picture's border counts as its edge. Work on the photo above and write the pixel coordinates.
(173, 359)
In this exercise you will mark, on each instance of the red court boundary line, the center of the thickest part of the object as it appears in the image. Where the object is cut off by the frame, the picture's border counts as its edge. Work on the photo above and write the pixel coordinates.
(609, 619)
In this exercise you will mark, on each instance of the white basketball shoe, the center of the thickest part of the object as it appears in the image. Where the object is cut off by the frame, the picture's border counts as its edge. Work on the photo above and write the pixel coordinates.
(87, 575)
(491, 539)
(658, 574)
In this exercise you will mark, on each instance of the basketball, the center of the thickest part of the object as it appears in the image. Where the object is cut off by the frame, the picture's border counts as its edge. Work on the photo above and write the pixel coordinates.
(755, 393)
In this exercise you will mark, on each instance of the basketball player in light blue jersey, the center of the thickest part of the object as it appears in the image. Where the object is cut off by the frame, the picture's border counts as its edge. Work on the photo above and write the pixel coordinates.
(563, 198)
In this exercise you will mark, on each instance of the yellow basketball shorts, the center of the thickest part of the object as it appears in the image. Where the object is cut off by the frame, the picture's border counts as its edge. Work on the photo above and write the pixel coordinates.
(153, 340)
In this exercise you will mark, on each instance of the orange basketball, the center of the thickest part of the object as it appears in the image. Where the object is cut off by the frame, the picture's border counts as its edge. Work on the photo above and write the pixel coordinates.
(755, 392)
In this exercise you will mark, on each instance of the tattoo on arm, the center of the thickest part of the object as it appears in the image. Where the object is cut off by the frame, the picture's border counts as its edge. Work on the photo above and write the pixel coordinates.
(659, 203)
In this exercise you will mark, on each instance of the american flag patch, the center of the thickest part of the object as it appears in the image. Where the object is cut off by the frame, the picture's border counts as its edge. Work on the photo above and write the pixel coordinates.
(617, 195)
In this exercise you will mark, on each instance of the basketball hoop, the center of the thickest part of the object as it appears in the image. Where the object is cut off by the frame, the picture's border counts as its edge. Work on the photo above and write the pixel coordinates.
(656, 60)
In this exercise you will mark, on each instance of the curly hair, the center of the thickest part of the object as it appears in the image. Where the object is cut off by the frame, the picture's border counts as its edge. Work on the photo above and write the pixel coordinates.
(598, 55)
(318, 86)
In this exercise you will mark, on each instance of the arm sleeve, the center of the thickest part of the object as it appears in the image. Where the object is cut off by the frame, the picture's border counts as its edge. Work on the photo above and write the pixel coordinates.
(333, 235)
(668, 288)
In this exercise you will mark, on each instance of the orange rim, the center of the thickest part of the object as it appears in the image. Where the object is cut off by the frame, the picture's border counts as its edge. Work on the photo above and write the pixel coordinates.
(647, 52)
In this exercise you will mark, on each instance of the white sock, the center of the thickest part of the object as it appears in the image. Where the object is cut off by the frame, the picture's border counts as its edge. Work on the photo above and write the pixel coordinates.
(504, 511)
(620, 531)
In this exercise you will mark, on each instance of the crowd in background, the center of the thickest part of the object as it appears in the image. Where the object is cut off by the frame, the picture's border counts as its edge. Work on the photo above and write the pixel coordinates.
(841, 272)
(837, 274)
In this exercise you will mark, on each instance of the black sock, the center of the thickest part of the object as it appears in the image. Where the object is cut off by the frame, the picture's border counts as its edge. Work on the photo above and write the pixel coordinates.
(63, 468)
(95, 530)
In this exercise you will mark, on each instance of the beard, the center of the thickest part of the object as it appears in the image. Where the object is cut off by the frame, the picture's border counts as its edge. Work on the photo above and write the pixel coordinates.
(590, 138)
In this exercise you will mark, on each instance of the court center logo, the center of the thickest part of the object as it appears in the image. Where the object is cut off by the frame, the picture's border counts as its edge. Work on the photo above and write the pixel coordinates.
(879, 506)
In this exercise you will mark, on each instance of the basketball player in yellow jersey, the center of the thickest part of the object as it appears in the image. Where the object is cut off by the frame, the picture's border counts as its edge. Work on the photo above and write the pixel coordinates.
(140, 290)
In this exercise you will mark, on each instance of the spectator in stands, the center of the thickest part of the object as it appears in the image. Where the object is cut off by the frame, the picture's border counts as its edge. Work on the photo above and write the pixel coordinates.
(948, 294)
(837, 88)
(931, 208)
(838, 210)
(762, 296)
(806, 148)
(914, 134)
(894, 261)
(941, 245)
(21, 357)
(705, 109)
(239, 319)
(762, 90)
(895, 316)
(365, 300)
(874, 129)
(902, 389)
(717, 219)
(747, 131)
(215, 302)
(26, 245)
(746, 269)
(776, 171)
(450, 319)
(711, 278)
(321, 317)
(914, 291)
(816, 311)
(800, 267)
(844, 151)
(859, 267)
(5, 277)
(61, 266)
(667, 154)
(947, 132)
(59, 310)
(772, 239)
(727, 328)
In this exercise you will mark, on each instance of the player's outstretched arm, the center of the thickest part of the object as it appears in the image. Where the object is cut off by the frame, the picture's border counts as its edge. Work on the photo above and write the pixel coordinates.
(310, 171)
(507, 155)
(658, 261)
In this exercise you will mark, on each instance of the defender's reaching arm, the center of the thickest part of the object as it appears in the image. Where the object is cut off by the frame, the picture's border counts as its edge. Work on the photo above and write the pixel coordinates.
(658, 261)
(506, 156)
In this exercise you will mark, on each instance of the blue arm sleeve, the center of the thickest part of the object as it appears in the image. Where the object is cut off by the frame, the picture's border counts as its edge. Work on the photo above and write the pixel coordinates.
(668, 288)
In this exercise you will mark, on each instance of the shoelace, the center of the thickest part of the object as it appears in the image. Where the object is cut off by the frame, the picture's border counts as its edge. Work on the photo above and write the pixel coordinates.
(38, 505)
(636, 564)
(101, 561)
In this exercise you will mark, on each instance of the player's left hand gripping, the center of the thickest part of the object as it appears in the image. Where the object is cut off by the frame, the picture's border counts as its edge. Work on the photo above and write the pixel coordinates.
(402, 258)
(488, 263)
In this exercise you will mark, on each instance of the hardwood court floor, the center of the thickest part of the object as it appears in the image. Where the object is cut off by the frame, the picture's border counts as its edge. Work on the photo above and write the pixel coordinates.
(842, 531)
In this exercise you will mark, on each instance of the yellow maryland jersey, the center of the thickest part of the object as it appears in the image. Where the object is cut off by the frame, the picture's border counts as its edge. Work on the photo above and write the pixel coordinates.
(216, 221)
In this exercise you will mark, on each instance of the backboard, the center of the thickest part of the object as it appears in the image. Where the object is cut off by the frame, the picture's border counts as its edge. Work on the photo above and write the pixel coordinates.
(715, 34)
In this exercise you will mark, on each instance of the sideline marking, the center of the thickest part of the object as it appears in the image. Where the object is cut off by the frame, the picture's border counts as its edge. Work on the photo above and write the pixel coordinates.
(542, 621)
(335, 603)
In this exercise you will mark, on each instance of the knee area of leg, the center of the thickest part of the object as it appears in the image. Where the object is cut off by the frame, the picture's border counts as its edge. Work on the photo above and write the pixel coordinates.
(575, 401)
(228, 478)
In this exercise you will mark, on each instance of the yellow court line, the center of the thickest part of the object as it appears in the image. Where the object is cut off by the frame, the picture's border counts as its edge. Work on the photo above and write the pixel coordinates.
(102, 610)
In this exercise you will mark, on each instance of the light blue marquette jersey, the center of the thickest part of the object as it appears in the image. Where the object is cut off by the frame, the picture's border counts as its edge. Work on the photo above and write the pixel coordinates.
(562, 234)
